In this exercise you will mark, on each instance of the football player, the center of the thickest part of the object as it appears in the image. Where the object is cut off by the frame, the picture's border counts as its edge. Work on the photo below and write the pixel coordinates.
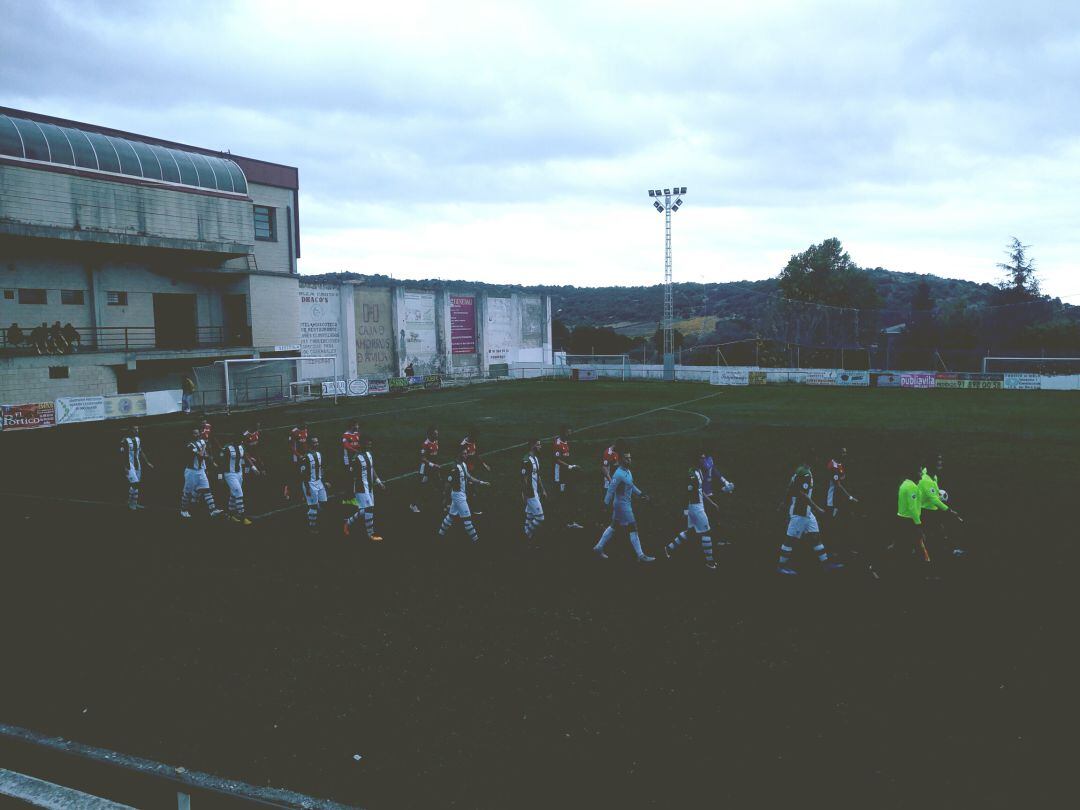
(563, 469)
(457, 483)
(802, 521)
(196, 484)
(429, 466)
(532, 489)
(619, 497)
(310, 469)
(365, 479)
(131, 451)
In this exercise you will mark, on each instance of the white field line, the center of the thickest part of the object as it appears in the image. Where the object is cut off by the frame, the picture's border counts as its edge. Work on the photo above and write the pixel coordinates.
(520, 445)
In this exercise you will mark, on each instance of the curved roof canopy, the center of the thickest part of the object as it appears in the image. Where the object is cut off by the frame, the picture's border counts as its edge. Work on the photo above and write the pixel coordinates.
(67, 146)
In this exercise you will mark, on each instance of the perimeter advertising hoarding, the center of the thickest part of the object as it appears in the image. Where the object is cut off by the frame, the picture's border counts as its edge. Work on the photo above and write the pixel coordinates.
(969, 381)
(819, 376)
(28, 416)
(733, 376)
(374, 331)
(1023, 382)
(917, 380)
(885, 379)
(462, 324)
(758, 377)
(125, 405)
(855, 379)
(378, 386)
(79, 409)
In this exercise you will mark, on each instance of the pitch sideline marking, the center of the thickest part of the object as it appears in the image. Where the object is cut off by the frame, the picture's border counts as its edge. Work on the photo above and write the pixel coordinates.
(519, 445)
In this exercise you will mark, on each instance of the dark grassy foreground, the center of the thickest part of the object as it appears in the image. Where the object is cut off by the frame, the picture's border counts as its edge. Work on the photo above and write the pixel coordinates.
(509, 677)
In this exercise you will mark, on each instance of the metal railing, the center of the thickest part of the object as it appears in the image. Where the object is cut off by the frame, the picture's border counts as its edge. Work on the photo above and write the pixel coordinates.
(76, 340)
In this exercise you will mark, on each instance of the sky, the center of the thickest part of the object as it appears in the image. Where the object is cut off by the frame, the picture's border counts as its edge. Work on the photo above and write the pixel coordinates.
(516, 142)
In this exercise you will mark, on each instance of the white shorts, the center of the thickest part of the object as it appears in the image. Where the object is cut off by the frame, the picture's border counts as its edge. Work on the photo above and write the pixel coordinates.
(365, 500)
(235, 483)
(459, 505)
(314, 493)
(194, 480)
(799, 525)
(534, 507)
(134, 476)
(696, 519)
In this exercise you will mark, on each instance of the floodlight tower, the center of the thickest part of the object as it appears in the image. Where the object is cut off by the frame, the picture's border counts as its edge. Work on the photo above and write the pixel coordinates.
(667, 208)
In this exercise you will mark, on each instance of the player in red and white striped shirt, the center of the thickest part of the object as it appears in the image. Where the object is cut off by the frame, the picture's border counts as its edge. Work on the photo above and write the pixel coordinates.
(429, 466)
(563, 467)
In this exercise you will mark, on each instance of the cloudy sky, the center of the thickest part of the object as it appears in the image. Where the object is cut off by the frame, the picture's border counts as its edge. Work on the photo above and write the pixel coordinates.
(516, 141)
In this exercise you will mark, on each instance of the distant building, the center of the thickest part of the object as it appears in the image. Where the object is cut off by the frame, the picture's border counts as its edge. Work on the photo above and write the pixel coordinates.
(161, 257)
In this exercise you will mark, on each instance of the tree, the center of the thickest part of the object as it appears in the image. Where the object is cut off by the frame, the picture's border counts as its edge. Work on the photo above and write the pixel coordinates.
(825, 274)
(922, 300)
(560, 335)
(677, 339)
(1020, 283)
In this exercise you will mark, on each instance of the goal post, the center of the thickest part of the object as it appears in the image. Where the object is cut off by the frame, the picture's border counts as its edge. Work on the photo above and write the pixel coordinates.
(606, 366)
(271, 379)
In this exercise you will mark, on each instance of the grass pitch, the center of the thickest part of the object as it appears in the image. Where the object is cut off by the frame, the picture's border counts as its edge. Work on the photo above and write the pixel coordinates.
(512, 675)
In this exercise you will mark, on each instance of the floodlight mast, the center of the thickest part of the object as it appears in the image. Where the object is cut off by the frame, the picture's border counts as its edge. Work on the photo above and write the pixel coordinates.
(667, 209)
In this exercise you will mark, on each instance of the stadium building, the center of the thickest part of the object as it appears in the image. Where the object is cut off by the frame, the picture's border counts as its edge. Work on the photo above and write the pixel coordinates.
(126, 260)
(373, 328)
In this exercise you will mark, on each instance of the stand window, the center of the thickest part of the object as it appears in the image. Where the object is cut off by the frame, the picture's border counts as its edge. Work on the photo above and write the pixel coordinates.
(265, 223)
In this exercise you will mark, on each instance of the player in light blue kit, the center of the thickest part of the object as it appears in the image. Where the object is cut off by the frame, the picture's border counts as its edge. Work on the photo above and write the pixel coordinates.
(620, 495)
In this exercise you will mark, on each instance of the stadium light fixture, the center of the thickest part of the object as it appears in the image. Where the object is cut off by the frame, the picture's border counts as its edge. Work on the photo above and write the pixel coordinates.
(667, 209)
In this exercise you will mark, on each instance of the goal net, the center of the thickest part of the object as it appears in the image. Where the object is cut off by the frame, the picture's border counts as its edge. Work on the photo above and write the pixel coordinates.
(606, 366)
(1032, 365)
(251, 383)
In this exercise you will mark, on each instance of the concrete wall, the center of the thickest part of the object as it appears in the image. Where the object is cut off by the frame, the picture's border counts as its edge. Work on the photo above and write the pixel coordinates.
(274, 303)
(26, 379)
(89, 209)
(383, 329)
(273, 257)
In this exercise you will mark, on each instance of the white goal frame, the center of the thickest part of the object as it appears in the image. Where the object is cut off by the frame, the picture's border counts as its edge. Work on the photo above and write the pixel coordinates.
(601, 361)
(292, 385)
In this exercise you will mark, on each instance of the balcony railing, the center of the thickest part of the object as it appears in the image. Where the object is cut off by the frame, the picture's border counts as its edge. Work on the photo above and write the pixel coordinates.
(78, 340)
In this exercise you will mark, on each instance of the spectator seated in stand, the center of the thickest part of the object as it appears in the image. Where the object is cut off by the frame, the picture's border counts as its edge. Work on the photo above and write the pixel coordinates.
(72, 336)
(14, 336)
(39, 338)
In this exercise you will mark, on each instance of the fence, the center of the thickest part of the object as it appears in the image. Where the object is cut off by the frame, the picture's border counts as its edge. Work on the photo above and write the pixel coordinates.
(57, 768)
(76, 340)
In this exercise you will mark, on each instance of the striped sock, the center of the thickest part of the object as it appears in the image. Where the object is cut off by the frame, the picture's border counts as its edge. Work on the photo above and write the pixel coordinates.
(238, 506)
(706, 546)
(313, 517)
(369, 521)
(208, 496)
(785, 553)
(471, 530)
(355, 516)
(447, 522)
(674, 544)
(133, 496)
(822, 554)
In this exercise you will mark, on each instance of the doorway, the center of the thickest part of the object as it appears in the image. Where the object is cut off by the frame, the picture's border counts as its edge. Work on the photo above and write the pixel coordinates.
(175, 321)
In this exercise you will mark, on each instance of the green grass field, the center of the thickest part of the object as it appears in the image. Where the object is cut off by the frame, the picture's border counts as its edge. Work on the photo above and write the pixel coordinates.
(1001, 447)
(515, 676)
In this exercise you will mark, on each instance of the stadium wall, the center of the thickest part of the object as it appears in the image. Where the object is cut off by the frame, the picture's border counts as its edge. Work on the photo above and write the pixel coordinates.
(378, 331)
